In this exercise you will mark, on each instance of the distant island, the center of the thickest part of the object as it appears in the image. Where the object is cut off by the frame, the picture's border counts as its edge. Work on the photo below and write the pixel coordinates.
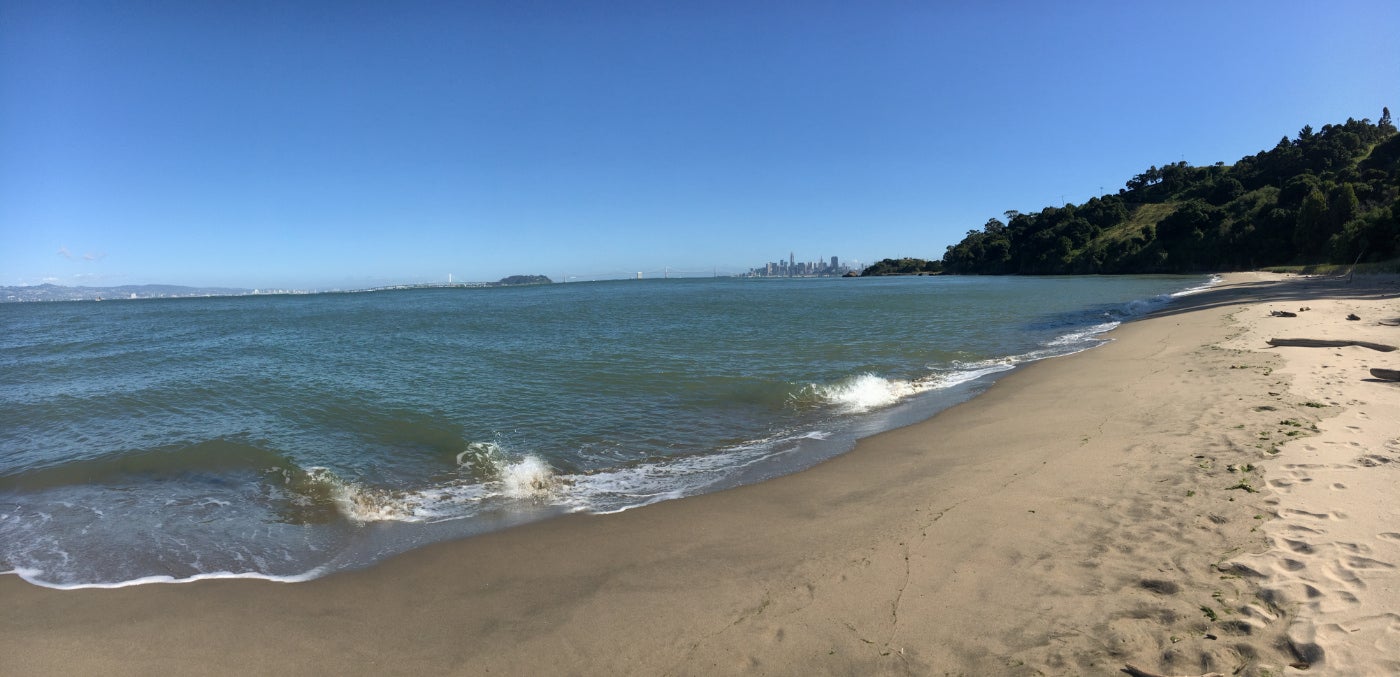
(54, 292)
(1328, 196)
(514, 280)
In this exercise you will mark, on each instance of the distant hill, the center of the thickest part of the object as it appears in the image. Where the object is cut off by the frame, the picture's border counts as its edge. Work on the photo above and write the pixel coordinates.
(904, 266)
(53, 292)
(1328, 196)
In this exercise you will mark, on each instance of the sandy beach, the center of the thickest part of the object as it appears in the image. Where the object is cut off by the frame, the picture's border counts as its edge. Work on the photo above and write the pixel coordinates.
(1184, 499)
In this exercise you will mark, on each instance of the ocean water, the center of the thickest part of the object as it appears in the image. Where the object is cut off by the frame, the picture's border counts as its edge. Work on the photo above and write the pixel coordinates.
(287, 437)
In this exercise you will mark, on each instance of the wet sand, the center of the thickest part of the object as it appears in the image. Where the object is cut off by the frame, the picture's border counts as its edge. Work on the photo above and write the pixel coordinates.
(1161, 501)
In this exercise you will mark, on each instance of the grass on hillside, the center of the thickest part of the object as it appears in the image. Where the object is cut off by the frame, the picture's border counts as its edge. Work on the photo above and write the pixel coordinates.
(1376, 268)
(1149, 214)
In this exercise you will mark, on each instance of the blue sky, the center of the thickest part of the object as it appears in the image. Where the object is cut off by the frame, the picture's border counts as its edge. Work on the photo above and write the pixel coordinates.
(342, 144)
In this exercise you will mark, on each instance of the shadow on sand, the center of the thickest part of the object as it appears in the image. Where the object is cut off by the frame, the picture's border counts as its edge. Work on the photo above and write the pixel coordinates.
(1288, 290)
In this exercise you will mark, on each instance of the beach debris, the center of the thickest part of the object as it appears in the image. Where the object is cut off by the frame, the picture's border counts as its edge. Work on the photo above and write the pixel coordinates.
(1395, 322)
(1385, 374)
(1305, 309)
(1282, 313)
(1353, 317)
(1136, 671)
(1328, 343)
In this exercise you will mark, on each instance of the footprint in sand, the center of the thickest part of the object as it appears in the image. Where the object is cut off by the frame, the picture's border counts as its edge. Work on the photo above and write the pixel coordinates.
(1159, 586)
(1368, 563)
(1339, 572)
(1299, 546)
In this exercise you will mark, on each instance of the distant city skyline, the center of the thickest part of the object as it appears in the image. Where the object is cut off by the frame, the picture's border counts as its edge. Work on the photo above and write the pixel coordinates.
(316, 145)
(793, 268)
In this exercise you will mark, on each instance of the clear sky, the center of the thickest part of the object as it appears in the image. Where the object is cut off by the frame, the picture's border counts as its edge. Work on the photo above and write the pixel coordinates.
(332, 144)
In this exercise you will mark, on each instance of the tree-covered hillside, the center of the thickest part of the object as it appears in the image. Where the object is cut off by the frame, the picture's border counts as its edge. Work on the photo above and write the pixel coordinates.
(904, 266)
(1326, 196)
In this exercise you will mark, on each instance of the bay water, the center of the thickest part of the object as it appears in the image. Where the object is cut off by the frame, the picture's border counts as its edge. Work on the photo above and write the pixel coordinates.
(291, 436)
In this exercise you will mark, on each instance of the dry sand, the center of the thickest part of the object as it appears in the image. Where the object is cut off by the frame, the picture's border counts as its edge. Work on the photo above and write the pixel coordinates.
(1335, 532)
(1084, 513)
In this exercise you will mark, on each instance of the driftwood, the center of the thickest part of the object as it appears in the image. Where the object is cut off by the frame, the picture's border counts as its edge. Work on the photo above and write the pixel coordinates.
(1282, 313)
(1136, 671)
(1327, 343)
(1385, 374)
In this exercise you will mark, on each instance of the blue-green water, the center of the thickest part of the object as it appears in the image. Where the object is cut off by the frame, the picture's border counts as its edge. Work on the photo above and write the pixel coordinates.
(290, 436)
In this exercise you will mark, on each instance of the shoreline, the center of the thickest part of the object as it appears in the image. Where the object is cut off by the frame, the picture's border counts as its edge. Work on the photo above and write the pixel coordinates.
(1067, 542)
(365, 516)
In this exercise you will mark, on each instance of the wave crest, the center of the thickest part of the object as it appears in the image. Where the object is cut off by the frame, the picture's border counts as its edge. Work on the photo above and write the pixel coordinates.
(864, 392)
(488, 471)
(529, 478)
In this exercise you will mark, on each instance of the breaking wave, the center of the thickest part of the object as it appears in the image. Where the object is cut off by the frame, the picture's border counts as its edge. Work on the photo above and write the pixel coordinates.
(864, 392)
(487, 473)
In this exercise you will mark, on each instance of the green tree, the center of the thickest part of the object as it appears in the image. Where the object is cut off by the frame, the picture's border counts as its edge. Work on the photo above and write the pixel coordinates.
(1225, 190)
(1311, 231)
(1342, 206)
(1329, 193)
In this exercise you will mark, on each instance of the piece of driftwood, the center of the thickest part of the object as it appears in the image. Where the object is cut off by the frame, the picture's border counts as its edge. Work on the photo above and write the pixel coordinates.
(1136, 671)
(1386, 374)
(1327, 343)
(1353, 317)
(1282, 313)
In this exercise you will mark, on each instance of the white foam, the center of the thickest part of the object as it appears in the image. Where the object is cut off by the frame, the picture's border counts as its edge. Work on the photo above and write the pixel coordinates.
(362, 504)
(1083, 335)
(34, 576)
(864, 392)
(490, 474)
(1214, 280)
(529, 478)
(959, 376)
(612, 491)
